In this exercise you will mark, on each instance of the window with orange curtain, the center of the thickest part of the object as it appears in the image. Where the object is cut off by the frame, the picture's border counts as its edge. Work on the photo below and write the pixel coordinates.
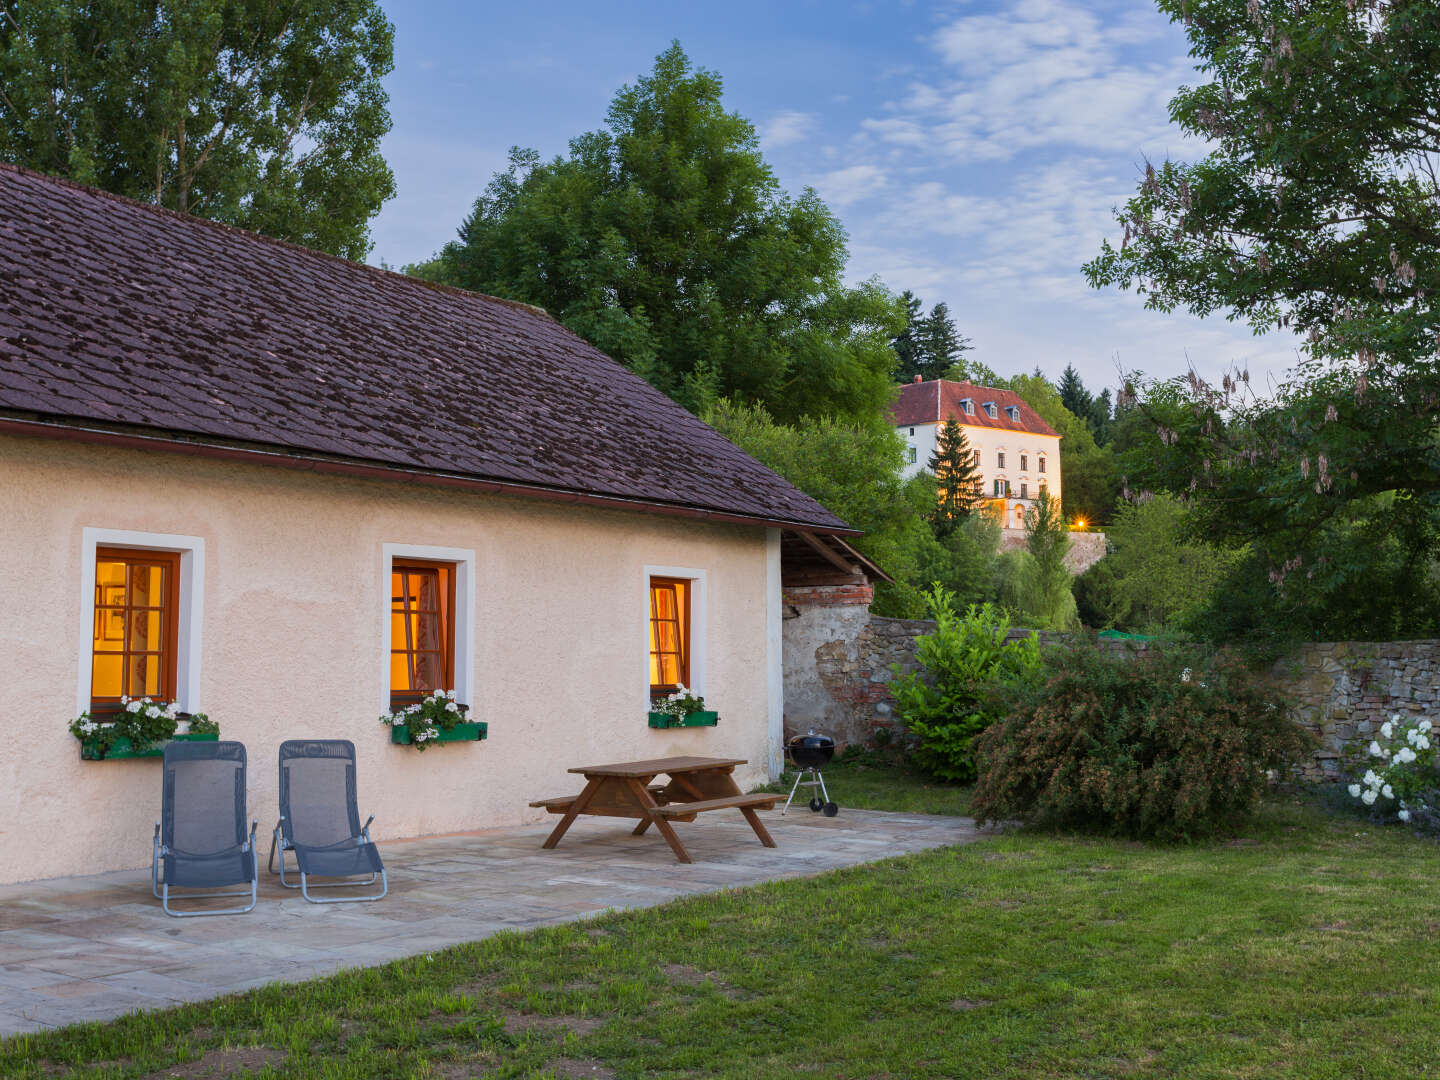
(137, 596)
(669, 634)
(422, 629)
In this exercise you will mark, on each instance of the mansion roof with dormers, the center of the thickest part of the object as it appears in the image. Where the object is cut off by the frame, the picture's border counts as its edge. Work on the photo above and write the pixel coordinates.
(942, 399)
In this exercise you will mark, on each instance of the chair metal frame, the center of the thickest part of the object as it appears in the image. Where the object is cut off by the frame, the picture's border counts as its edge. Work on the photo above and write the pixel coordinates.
(161, 889)
(279, 843)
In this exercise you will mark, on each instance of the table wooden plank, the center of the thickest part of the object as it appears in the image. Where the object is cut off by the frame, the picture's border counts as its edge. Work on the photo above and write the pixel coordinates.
(639, 770)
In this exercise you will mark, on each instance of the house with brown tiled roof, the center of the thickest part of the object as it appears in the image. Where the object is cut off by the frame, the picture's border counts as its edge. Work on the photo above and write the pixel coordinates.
(1017, 452)
(294, 493)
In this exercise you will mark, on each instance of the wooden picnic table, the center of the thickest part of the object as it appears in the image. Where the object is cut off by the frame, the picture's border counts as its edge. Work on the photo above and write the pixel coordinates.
(625, 789)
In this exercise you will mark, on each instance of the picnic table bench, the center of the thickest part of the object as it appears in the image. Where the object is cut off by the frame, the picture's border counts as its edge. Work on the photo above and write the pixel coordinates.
(696, 785)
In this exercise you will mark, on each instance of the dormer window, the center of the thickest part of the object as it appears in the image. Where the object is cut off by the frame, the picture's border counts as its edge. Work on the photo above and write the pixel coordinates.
(968, 404)
(1014, 411)
(990, 409)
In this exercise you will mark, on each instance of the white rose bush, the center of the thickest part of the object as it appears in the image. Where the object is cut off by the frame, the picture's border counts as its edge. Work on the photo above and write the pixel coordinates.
(1400, 781)
(426, 719)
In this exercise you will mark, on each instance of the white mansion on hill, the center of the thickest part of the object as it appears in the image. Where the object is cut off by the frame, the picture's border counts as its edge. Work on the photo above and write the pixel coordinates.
(1017, 452)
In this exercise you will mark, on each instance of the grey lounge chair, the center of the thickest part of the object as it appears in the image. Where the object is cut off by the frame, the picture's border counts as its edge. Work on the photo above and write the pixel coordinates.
(200, 839)
(320, 821)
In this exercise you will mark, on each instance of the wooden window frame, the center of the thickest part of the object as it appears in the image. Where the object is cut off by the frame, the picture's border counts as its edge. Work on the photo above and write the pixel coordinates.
(1040, 467)
(168, 653)
(448, 625)
(684, 635)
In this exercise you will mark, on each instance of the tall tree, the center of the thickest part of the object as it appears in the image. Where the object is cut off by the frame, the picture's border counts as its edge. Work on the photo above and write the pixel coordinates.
(1318, 210)
(1048, 542)
(941, 344)
(957, 479)
(666, 241)
(1073, 394)
(260, 114)
(906, 343)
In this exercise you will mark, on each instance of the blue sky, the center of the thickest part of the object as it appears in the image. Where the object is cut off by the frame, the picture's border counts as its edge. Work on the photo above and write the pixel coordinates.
(973, 150)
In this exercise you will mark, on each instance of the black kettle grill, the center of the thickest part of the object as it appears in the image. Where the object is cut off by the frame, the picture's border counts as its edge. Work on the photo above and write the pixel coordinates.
(810, 752)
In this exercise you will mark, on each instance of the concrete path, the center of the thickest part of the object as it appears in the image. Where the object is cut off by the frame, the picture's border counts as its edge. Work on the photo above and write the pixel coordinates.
(93, 948)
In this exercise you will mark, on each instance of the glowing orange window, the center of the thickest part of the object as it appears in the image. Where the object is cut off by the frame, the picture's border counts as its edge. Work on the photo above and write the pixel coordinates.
(137, 596)
(422, 629)
(669, 634)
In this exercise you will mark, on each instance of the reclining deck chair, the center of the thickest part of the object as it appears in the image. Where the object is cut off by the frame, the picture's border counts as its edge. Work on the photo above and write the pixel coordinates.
(320, 821)
(200, 839)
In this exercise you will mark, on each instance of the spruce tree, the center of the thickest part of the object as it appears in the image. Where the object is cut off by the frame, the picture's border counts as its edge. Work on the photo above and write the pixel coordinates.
(907, 343)
(941, 344)
(956, 478)
(1073, 394)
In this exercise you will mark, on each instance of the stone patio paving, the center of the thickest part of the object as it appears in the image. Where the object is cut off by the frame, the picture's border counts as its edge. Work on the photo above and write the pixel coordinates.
(96, 947)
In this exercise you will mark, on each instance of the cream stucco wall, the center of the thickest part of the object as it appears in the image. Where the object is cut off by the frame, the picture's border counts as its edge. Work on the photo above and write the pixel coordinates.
(991, 442)
(295, 596)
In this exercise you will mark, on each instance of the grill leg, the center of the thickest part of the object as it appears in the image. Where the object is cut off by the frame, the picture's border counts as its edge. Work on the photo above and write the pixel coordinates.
(824, 795)
(798, 774)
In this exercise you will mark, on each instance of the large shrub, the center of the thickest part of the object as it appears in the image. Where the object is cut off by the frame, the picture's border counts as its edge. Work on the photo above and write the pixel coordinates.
(968, 670)
(1158, 745)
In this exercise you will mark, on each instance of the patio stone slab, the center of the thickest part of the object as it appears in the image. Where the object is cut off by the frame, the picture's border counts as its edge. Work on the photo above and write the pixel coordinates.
(93, 948)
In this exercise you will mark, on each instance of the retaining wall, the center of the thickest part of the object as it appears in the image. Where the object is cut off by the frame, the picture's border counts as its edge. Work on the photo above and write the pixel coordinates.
(838, 661)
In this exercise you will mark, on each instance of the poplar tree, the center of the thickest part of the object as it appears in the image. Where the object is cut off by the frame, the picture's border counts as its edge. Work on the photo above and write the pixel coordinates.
(665, 240)
(263, 115)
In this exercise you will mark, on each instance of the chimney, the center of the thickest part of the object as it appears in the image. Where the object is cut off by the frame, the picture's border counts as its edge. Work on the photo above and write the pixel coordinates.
(919, 378)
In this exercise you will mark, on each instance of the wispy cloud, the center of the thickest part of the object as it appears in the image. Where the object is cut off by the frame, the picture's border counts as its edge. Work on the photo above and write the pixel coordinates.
(1040, 73)
(851, 184)
(786, 128)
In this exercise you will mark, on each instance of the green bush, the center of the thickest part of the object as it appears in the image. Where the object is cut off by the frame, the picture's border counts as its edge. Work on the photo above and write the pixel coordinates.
(968, 670)
(1151, 746)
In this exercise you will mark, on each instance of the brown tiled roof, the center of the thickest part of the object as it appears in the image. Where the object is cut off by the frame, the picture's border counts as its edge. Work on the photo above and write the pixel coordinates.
(121, 316)
(939, 399)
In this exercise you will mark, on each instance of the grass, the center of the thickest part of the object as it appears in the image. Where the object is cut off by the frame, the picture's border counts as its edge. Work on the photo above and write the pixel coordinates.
(1303, 950)
(865, 780)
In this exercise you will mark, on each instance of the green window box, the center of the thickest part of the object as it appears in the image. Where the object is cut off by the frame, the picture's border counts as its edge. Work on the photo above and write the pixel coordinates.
(691, 719)
(122, 748)
(400, 736)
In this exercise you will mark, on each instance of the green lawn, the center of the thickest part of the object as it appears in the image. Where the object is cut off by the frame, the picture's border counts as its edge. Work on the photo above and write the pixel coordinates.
(1304, 950)
(862, 780)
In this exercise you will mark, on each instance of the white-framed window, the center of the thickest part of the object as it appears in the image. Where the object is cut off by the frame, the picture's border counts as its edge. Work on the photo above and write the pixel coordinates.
(1014, 412)
(976, 454)
(1001, 489)
(990, 409)
(674, 625)
(1024, 490)
(428, 622)
(1042, 463)
(912, 431)
(1000, 459)
(107, 619)
(912, 455)
(1024, 462)
(968, 404)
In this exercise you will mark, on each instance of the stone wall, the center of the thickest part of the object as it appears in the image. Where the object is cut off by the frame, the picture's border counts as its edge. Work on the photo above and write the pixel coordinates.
(1343, 691)
(1086, 548)
(838, 661)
